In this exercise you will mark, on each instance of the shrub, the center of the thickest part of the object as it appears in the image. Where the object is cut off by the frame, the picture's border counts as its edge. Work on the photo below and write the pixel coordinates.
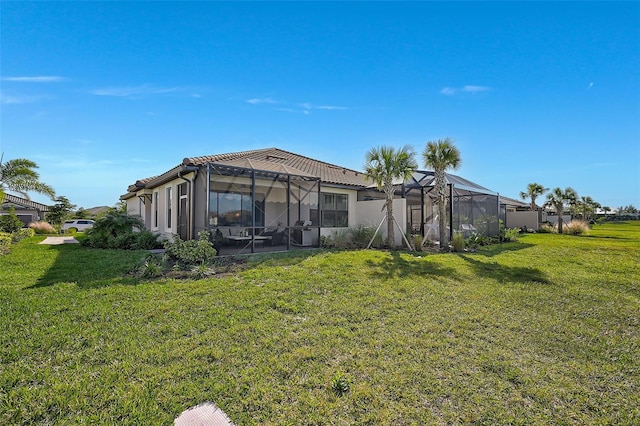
(9, 222)
(361, 235)
(21, 234)
(42, 227)
(511, 234)
(476, 240)
(116, 223)
(576, 227)
(117, 230)
(417, 242)
(143, 240)
(325, 241)
(545, 228)
(152, 267)
(340, 238)
(457, 242)
(192, 252)
(5, 243)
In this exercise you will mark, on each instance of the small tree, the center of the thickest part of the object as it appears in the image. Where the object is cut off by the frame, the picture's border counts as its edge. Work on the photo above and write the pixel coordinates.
(81, 214)
(60, 211)
(442, 155)
(383, 166)
(560, 199)
(10, 222)
(534, 190)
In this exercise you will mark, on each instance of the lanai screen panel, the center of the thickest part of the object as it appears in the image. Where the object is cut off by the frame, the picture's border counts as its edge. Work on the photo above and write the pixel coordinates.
(475, 213)
(248, 206)
(469, 207)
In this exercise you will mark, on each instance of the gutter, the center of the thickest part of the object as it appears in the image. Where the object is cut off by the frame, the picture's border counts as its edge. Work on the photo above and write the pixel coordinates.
(191, 185)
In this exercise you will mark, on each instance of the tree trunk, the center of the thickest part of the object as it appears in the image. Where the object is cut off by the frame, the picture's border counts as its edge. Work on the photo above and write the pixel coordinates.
(390, 233)
(560, 211)
(442, 224)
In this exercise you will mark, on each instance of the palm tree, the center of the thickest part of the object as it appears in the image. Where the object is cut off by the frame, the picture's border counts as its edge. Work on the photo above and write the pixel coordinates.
(558, 199)
(588, 206)
(19, 176)
(441, 155)
(384, 165)
(534, 190)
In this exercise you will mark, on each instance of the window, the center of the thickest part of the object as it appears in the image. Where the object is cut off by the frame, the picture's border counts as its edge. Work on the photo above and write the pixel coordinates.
(234, 209)
(155, 209)
(335, 210)
(169, 202)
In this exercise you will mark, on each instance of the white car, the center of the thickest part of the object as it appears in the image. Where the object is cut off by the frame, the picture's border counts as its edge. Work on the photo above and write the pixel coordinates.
(77, 225)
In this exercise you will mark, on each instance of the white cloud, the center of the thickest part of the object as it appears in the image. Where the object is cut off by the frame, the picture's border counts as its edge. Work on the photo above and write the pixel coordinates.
(20, 99)
(304, 107)
(308, 106)
(450, 91)
(331, 107)
(36, 79)
(256, 101)
(134, 91)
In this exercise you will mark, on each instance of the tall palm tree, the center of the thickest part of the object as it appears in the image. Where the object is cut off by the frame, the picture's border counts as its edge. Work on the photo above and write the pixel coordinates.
(559, 199)
(385, 164)
(442, 155)
(19, 176)
(534, 190)
(588, 206)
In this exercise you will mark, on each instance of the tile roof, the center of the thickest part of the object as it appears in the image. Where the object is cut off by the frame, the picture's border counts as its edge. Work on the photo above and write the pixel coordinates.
(8, 198)
(274, 159)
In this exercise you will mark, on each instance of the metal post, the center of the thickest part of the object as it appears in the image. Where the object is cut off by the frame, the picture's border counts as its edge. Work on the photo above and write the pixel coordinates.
(288, 212)
(253, 210)
(450, 211)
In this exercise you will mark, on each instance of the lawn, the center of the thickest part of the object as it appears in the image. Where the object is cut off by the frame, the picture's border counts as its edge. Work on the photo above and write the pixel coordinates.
(543, 331)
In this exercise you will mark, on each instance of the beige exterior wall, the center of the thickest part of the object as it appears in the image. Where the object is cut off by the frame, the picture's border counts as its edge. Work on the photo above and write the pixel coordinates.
(371, 213)
(522, 219)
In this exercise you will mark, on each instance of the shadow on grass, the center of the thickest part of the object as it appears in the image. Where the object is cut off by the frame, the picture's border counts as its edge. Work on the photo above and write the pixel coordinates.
(90, 268)
(496, 249)
(401, 266)
(506, 274)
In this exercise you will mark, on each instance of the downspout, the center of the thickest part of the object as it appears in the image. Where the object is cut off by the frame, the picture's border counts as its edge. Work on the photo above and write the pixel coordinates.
(190, 190)
(450, 211)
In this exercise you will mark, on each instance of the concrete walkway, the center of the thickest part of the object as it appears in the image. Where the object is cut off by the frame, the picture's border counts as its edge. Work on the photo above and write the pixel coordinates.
(59, 240)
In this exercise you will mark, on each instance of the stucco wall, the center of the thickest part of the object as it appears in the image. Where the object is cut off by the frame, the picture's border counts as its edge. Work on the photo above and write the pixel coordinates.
(522, 219)
(370, 213)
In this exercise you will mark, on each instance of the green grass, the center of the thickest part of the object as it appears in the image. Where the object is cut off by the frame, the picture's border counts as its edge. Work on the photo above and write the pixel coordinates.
(544, 331)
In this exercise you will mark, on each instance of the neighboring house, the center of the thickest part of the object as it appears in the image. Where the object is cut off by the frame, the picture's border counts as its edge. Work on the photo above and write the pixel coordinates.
(27, 211)
(272, 199)
(518, 214)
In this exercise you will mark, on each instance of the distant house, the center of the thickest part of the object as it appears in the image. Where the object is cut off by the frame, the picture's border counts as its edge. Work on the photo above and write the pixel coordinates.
(271, 199)
(518, 214)
(27, 211)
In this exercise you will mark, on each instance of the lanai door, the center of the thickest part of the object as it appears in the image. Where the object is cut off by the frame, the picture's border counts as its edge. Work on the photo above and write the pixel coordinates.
(183, 212)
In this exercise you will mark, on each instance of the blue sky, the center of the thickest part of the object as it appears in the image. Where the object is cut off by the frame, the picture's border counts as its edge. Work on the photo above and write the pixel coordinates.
(101, 94)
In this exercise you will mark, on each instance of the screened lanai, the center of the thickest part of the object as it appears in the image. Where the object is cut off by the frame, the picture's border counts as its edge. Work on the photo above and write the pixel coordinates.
(256, 206)
(470, 208)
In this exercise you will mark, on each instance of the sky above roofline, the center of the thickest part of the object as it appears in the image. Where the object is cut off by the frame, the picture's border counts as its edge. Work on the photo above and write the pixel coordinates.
(101, 94)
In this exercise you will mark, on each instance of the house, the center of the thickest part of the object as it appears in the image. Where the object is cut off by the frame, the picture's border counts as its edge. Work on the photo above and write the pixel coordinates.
(518, 214)
(270, 199)
(27, 211)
